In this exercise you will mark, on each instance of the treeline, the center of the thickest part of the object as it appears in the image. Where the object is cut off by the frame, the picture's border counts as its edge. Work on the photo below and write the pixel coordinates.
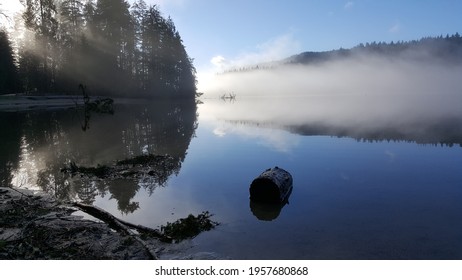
(109, 46)
(447, 49)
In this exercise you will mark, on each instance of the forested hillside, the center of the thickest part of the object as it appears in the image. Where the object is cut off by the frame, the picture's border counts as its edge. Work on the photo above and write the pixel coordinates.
(442, 49)
(109, 46)
(447, 49)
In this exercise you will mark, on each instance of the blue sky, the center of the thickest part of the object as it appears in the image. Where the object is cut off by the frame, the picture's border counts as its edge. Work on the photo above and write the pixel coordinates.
(245, 31)
(220, 34)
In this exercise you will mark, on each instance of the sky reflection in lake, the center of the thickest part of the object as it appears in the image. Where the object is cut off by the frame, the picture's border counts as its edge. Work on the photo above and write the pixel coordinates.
(351, 199)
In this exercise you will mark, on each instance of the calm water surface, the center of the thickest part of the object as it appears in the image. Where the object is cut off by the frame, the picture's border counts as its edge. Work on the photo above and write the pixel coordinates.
(375, 189)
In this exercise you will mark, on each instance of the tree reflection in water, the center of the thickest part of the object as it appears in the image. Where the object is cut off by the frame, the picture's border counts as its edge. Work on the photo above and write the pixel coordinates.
(10, 146)
(39, 144)
(123, 191)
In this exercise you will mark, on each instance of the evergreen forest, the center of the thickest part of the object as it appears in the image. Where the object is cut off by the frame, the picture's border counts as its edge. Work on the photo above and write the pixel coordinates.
(111, 47)
(441, 49)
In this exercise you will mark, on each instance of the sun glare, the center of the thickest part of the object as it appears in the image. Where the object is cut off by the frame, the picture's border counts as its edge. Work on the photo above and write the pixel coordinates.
(7, 11)
(11, 5)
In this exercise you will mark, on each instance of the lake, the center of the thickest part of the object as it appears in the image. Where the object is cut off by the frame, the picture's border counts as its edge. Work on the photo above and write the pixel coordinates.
(369, 182)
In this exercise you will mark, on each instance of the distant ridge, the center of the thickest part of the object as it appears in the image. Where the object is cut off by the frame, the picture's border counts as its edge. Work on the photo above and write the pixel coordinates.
(446, 49)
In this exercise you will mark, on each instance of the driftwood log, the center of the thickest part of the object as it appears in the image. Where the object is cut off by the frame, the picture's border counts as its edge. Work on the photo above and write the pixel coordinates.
(122, 226)
(274, 185)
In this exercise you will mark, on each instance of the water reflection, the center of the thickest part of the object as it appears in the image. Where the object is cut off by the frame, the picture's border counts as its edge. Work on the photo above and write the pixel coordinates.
(99, 106)
(266, 211)
(436, 121)
(349, 199)
(123, 191)
(36, 145)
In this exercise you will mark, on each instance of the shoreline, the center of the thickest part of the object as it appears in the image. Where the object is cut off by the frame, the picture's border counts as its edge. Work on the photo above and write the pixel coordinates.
(23, 103)
(36, 226)
(17, 103)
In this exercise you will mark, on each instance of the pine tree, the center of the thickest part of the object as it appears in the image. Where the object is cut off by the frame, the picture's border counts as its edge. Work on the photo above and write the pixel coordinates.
(9, 82)
(40, 18)
(113, 29)
(138, 14)
(104, 44)
(70, 28)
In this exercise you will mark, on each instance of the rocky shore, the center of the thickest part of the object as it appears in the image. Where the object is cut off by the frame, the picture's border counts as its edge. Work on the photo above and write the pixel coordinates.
(39, 227)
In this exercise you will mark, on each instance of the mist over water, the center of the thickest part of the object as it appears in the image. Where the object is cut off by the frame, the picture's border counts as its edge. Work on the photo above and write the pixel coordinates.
(365, 96)
(380, 197)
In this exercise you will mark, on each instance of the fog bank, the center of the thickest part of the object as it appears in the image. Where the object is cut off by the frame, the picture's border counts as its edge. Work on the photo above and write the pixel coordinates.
(356, 96)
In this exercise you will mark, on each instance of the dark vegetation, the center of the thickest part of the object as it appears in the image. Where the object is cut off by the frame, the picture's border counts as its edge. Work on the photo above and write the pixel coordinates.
(9, 79)
(189, 227)
(107, 45)
(447, 49)
(156, 166)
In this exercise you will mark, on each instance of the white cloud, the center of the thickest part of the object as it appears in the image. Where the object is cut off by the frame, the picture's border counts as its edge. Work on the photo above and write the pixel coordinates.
(349, 5)
(391, 156)
(275, 139)
(395, 28)
(271, 50)
(219, 131)
(164, 3)
(167, 2)
(275, 49)
(218, 61)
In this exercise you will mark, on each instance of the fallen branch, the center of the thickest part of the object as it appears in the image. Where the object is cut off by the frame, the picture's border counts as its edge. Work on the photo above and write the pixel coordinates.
(121, 225)
(21, 193)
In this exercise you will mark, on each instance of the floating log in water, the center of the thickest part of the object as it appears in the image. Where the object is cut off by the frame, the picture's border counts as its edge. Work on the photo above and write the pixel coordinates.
(274, 185)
